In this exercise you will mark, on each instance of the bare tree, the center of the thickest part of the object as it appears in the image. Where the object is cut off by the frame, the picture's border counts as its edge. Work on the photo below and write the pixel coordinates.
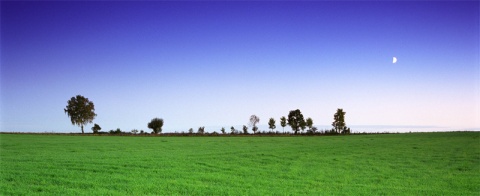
(253, 122)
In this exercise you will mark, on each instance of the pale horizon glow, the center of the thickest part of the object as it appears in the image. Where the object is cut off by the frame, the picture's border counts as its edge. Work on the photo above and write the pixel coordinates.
(214, 64)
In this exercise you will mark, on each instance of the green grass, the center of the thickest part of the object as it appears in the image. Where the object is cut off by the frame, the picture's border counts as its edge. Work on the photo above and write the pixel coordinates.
(393, 164)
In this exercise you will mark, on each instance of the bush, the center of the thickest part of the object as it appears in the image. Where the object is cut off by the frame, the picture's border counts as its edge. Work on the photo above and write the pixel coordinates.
(118, 131)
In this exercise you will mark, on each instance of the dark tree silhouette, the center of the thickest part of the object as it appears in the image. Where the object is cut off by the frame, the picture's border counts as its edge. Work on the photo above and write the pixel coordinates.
(271, 124)
(201, 130)
(156, 125)
(296, 120)
(96, 128)
(339, 122)
(283, 123)
(80, 110)
(223, 130)
(245, 129)
(232, 130)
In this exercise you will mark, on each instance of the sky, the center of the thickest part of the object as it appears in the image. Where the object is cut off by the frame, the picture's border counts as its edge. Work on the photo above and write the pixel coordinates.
(216, 63)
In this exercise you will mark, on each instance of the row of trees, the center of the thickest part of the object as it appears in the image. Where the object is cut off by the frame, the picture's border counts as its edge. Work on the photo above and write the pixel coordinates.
(297, 122)
(82, 111)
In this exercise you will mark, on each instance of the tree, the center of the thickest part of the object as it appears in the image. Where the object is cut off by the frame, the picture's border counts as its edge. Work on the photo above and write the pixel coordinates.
(117, 131)
(283, 123)
(271, 124)
(134, 131)
(253, 122)
(201, 130)
(190, 131)
(296, 121)
(80, 110)
(346, 130)
(245, 130)
(309, 124)
(339, 122)
(303, 125)
(232, 129)
(96, 128)
(254, 129)
(223, 130)
(156, 125)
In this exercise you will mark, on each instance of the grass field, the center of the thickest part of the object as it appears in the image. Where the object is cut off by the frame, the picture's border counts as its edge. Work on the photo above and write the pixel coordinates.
(391, 164)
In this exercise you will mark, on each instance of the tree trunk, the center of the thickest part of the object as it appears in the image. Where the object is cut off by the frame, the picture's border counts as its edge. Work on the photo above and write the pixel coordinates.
(82, 130)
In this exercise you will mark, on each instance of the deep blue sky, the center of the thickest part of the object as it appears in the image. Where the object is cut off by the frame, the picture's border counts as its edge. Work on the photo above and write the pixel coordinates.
(216, 63)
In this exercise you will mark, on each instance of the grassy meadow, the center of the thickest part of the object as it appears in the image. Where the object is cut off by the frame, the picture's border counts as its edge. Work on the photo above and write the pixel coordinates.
(384, 164)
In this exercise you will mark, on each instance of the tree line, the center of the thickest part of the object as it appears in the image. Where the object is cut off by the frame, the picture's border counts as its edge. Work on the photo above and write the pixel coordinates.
(82, 111)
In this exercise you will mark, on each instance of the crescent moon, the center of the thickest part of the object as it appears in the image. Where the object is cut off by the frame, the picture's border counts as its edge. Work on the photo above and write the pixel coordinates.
(394, 59)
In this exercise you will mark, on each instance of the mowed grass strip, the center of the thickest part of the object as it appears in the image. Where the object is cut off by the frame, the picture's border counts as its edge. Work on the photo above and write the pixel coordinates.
(393, 164)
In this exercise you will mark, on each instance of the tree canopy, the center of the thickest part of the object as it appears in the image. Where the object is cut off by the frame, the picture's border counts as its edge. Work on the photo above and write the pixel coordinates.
(271, 124)
(223, 130)
(283, 123)
(156, 125)
(201, 130)
(296, 120)
(339, 122)
(80, 110)
(309, 123)
(96, 128)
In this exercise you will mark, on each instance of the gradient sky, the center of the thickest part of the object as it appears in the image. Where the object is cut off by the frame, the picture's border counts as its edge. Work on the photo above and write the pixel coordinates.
(216, 63)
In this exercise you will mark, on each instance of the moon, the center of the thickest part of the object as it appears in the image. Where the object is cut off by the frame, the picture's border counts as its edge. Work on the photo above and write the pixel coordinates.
(394, 60)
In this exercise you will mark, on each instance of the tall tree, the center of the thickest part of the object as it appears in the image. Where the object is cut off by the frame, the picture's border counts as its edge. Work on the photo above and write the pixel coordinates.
(339, 121)
(232, 129)
(253, 122)
(271, 124)
(156, 125)
(296, 120)
(96, 128)
(80, 110)
(283, 123)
